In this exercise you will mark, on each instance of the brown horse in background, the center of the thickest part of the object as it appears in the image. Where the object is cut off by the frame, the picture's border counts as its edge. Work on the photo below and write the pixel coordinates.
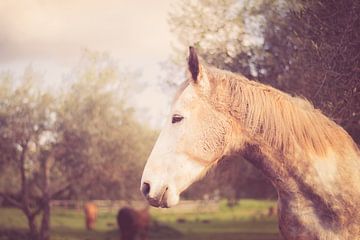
(133, 223)
(90, 210)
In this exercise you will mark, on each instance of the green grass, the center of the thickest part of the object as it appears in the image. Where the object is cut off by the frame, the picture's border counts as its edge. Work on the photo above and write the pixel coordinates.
(248, 220)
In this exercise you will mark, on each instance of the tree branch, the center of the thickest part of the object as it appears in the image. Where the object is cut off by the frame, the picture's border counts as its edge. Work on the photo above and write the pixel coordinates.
(11, 200)
(60, 191)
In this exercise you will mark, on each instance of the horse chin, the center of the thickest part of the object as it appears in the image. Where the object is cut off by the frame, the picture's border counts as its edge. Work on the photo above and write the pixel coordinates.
(157, 204)
(172, 200)
(166, 201)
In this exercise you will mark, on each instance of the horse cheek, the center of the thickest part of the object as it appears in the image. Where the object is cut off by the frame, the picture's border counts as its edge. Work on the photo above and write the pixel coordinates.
(211, 143)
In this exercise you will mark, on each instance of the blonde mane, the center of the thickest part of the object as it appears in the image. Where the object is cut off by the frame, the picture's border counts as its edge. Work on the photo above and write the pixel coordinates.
(283, 121)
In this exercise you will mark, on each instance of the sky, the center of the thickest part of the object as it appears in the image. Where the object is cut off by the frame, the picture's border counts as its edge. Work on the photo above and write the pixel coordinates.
(50, 35)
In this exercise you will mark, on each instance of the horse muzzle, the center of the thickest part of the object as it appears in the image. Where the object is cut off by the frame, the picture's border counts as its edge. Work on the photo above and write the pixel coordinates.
(160, 197)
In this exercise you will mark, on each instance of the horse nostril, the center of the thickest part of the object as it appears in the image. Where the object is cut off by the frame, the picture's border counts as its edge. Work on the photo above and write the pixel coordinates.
(145, 189)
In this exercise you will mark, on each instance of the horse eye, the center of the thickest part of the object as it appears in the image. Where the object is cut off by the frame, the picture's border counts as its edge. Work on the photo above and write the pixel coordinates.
(176, 118)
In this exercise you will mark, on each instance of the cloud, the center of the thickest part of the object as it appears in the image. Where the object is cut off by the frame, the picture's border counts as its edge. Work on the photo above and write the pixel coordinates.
(60, 29)
(50, 35)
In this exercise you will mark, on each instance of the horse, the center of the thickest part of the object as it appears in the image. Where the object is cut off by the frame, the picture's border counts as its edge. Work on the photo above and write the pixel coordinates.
(90, 210)
(133, 223)
(312, 162)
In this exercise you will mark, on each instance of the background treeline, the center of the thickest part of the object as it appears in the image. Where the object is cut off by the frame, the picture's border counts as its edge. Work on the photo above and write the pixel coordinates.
(82, 142)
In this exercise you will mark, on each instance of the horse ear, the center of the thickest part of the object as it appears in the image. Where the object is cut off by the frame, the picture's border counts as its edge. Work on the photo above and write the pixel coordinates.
(193, 63)
(198, 74)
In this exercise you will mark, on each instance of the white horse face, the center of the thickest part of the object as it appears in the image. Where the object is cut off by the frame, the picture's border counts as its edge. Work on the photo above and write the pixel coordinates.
(193, 138)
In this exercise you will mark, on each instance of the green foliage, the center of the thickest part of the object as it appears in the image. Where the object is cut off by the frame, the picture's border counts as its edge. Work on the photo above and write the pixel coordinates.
(101, 131)
(25, 132)
(324, 40)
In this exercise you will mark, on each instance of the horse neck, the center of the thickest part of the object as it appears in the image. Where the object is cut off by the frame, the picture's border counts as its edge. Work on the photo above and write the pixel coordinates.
(271, 163)
(329, 185)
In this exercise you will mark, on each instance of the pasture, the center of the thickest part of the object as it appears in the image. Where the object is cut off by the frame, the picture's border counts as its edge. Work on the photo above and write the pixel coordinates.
(248, 220)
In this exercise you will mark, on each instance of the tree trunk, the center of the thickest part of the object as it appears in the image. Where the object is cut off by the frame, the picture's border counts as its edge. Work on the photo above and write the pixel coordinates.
(45, 223)
(33, 232)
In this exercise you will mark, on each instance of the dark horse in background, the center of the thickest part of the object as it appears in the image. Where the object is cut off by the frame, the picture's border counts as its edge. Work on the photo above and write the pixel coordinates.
(133, 223)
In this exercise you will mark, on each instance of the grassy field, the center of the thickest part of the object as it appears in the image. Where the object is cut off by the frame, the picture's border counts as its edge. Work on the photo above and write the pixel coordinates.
(248, 221)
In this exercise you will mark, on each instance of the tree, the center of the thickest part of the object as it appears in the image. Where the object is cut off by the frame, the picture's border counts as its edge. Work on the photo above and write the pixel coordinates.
(323, 37)
(217, 30)
(27, 137)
